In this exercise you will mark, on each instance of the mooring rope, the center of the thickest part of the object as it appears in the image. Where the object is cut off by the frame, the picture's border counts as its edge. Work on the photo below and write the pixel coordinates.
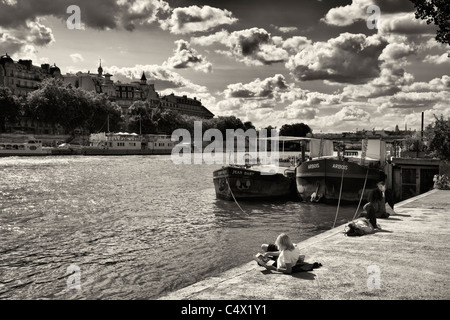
(231, 191)
(340, 194)
(362, 195)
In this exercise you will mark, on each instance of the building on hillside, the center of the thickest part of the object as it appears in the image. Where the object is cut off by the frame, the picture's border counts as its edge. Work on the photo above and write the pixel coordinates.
(128, 93)
(187, 106)
(125, 94)
(22, 76)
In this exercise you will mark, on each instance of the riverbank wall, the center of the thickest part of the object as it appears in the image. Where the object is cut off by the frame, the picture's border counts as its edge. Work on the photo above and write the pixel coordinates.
(407, 260)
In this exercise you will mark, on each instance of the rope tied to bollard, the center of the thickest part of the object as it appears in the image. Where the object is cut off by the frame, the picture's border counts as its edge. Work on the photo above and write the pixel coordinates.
(340, 194)
(231, 191)
(362, 194)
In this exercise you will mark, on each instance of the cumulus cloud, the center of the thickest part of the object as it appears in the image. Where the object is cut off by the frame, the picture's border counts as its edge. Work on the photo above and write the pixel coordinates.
(438, 59)
(76, 57)
(352, 113)
(38, 34)
(296, 44)
(114, 14)
(301, 113)
(187, 57)
(418, 99)
(253, 46)
(340, 118)
(161, 76)
(99, 14)
(346, 15)
(411, 101)
(285, 29)
(392, 77)
(24, 40)
(142, 12)
(404, 23)
(258, 88)
(197, 19)
(358, 10)
(349, 58)
(436, 85)
(300, 110)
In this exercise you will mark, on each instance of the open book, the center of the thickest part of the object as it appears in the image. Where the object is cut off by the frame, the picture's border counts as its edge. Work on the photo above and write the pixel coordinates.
(263, 261)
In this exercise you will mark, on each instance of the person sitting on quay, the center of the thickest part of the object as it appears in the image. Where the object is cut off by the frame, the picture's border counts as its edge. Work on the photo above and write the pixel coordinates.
(284, 252)
(376, 206)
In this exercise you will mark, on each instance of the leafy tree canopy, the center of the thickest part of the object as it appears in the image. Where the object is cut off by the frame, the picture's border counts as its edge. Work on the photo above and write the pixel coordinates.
(295, 130)
(439, 144)
(437, 11)
(10, 107)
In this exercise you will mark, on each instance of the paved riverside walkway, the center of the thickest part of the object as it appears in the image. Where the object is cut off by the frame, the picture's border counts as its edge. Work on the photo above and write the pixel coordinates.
(411, 253)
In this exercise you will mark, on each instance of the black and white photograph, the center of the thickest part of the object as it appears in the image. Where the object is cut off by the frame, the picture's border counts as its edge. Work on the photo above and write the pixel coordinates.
(223, 155)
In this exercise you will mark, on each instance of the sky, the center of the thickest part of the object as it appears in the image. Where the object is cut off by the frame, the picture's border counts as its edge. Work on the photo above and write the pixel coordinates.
(333, 65)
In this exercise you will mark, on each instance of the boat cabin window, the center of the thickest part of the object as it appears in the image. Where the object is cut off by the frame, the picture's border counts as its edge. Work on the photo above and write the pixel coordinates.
(2, 146)
(22, 147)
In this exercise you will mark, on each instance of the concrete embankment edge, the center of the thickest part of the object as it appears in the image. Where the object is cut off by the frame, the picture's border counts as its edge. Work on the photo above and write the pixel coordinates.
(408, 259)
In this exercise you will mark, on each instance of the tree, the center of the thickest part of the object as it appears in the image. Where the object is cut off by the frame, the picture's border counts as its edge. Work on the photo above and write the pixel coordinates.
(100, 112)
(295, 130)
(439, 145)
(230, 122)
(57, 103)
(248, 125)
(141, 118)
(10, 108)
(437, 11)
(51, 102)
(167, 120)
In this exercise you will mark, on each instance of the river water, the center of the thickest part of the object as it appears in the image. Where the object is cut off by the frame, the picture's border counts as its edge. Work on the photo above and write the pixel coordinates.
(134, 227)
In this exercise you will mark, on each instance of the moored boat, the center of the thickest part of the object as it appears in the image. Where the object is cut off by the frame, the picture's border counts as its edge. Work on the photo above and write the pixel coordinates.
(239, 182)
(349, 179)
(23, 146)
(123, 143)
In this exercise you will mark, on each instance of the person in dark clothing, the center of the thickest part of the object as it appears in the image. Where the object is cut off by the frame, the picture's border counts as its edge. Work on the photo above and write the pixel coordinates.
(389, 197)
(376, 207)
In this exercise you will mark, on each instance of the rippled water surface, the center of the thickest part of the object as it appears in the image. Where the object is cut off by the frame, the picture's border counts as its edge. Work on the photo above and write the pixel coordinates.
(136, 226)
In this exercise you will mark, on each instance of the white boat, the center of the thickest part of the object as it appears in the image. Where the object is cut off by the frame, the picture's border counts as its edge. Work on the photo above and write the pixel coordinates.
(120, 143)
(22, 146)
(123, 143)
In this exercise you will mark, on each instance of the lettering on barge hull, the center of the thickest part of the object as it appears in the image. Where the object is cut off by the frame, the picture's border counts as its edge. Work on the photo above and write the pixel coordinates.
(234, 172)
(340, 166)
(314, 166)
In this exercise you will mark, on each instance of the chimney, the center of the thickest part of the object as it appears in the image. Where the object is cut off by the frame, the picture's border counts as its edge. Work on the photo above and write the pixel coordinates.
(422, 126)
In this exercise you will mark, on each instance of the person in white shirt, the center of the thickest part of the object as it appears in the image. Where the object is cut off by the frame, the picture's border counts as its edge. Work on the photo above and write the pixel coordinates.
(288, 254)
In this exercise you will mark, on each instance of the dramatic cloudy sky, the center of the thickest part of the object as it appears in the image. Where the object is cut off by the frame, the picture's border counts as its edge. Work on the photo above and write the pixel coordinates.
(266, 61)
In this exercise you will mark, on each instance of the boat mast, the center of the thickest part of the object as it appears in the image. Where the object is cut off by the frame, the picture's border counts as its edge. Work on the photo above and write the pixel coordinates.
(303, 146)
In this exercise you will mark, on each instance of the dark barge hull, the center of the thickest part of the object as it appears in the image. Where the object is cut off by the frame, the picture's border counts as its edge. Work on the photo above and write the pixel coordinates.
(323, 177)
(243, 183)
